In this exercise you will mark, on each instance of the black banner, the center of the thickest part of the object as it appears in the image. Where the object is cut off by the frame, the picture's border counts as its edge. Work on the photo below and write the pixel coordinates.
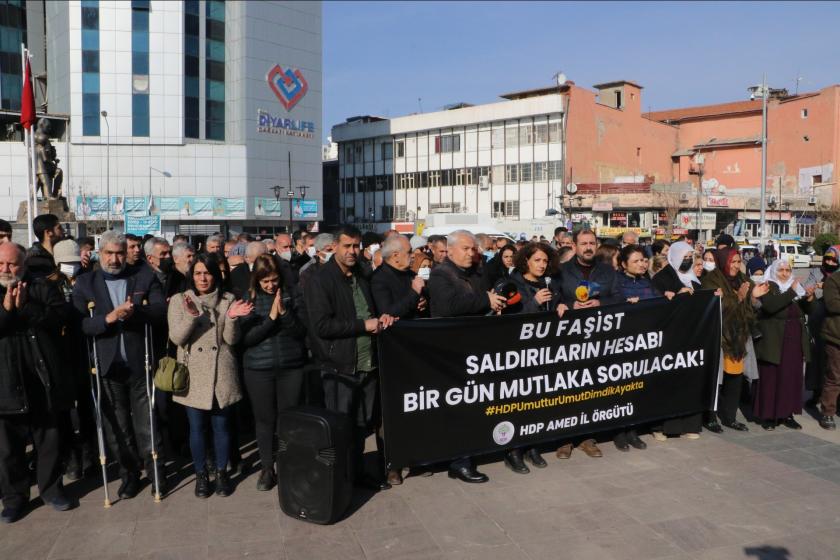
(474, 385)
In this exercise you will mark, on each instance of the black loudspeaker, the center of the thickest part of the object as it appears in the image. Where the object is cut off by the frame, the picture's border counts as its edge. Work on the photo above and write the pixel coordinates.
(314, 464)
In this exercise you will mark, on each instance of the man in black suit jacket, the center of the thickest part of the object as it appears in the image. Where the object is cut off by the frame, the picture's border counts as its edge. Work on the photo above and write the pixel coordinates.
(125, 301)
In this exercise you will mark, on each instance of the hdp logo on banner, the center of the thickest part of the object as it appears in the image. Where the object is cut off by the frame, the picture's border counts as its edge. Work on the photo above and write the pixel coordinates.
(288, 85)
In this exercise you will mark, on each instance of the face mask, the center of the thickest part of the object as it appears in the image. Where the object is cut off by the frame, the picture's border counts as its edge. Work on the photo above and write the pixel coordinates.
(94, 257)
(489, 254)
(69, 269)
(373, 249)
(686, 265)
(710, 266)
(757, 278)
(166, 265)
(327, 256)
(511, 269)
(424, 272)
(311, 251)
(286, 256)
(831, 268)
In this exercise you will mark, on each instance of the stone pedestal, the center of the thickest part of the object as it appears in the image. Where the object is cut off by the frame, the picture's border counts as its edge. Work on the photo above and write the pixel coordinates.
(58, 207)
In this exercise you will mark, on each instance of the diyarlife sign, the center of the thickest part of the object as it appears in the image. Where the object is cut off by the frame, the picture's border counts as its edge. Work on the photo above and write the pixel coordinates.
(289, 86)
(268, 123)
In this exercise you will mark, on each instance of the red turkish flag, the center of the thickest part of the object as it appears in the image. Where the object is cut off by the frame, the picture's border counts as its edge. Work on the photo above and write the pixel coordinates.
(27, 99)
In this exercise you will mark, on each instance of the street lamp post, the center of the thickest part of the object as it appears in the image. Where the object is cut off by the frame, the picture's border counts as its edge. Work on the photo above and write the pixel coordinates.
(107, 170)
(290, 195)
(699, 172)
(755, 90)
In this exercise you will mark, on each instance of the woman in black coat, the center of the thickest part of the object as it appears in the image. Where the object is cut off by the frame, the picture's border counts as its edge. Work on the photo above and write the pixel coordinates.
(274, 356)
(533, 264)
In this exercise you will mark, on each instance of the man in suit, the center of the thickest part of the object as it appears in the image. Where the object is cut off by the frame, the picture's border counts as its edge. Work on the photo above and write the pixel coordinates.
(125, 301)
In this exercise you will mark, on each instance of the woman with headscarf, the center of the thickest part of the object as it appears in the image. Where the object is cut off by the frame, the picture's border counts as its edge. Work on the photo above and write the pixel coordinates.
(816, 368)
(678, 276)
(738, 295)
(782, 348)
(675, 279)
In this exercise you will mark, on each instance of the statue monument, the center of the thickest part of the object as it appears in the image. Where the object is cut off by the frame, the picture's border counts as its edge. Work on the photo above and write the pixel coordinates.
(50, 176)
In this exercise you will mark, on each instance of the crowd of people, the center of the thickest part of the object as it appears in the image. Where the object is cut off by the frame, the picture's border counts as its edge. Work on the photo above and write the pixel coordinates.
(262, 325)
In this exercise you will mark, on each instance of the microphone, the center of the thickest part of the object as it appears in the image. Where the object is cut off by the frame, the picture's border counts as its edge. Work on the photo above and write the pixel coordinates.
(548, 287)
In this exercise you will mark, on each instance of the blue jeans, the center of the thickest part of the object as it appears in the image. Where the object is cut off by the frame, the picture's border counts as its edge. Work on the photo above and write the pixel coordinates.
(219, 421)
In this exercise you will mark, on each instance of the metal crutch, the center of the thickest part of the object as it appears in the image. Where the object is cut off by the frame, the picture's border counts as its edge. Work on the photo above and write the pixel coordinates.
(150, 396)
(96, 392)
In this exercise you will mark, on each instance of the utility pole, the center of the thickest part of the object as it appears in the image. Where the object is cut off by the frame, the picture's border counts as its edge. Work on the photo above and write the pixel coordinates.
(699, 172)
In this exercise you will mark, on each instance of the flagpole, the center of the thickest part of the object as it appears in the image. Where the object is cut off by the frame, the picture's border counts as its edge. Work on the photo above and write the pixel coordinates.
(34, 185)
(28, 155)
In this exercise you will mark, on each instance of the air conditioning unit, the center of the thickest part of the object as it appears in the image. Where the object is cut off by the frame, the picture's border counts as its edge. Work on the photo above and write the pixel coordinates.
(684, 197)
(484, 183)
(812, 200)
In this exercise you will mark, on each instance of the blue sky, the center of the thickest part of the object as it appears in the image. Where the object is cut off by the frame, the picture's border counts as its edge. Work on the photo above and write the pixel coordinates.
(380, 57)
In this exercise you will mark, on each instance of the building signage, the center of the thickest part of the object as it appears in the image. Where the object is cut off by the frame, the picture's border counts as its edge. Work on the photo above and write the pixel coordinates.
(602, 206)
(270, 124)
(288, 85)
(167, 207)
(688, 220)
(142, 225)
(768, 215)
(718, 201)
(616, 231)
(302, 209)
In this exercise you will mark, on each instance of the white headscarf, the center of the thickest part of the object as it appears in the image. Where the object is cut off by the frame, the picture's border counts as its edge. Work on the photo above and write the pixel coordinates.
(773, 276)
(676, 254)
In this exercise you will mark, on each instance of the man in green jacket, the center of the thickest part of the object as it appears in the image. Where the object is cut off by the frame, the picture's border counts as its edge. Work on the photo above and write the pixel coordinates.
(831, 334)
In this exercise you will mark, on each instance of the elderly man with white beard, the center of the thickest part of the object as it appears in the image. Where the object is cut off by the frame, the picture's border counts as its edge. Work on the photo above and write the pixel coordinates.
(33, 384)
(124, 301)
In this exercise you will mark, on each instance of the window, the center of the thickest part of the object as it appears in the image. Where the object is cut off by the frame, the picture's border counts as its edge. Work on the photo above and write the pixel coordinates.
(140, 68)
(526, 132)
(498, 174)
(90, 114)
(447, 177)
(447, 144)
(444, 207)
(554, 132)
(191, 69)
(434, 178)
(555, 170)
(511, 173)
(399, 213)
(618, 103)
(511, 137)
(525, 172)
(497, 138)
(400, 145)
(387, 150)
(541, 134)
(804, 113)
(505, 208)
(90, 68)
(140, 114)
(464, 177)
(423, 179)
(816, 179)
(214, 69)
(406, 180)
(540, 171)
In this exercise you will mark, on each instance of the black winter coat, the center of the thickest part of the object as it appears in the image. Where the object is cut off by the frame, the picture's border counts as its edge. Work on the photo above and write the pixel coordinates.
(667, 280)
(31, 356)
(333, 324)
(570, 276)
(39, 262)
(528, 291)
(272, 344)
(457, 292)
(392, 292)
(142, 284)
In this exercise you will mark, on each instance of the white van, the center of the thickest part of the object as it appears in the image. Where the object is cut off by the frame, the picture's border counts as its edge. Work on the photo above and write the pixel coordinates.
(795, 253)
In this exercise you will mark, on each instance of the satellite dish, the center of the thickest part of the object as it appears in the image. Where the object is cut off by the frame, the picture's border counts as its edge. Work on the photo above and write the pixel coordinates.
(571, 188)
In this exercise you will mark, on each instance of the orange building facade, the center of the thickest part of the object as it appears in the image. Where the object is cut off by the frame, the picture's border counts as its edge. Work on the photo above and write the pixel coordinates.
(642, 170)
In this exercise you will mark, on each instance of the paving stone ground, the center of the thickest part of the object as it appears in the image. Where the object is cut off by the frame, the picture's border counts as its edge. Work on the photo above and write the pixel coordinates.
(767, 496)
